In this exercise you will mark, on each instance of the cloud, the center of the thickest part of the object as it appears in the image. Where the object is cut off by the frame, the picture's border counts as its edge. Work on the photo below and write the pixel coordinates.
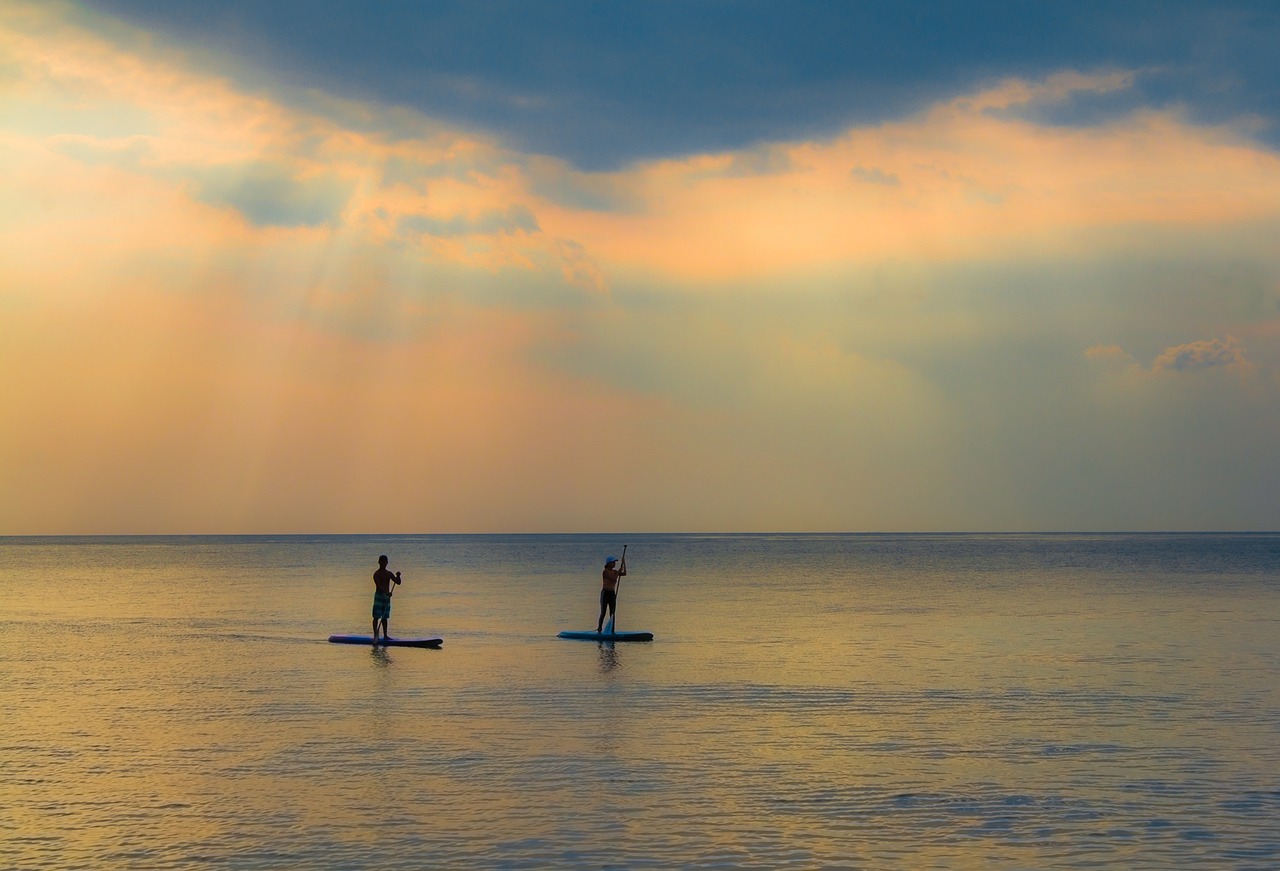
(562, 185)
(955, 182)
(951, 182)
(448, 198)
(1201, 355)
(1106, 353)
(457, 161)
(272, 195)
(130, 152)
(721, 77)
(880, 328)
(578, 268)
(516, 219)
(761, 160)
(875, 176)
(1056, 88)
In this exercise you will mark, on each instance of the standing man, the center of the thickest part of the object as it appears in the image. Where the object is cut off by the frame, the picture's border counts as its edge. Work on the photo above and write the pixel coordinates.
(609, 587)
(382, 581)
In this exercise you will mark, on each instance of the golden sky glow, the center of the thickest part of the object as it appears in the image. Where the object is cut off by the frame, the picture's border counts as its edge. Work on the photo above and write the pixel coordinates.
(226, 310)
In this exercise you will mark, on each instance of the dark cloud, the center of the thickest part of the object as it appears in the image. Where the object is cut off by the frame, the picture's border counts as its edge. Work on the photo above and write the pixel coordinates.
(592, 192)
(601, 84)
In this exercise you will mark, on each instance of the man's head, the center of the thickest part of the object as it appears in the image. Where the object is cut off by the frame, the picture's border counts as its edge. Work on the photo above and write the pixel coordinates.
(609, 561)
(382, 560)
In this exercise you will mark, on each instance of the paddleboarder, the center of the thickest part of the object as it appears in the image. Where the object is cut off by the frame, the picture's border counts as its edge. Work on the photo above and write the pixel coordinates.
(383, 578)
(613, 569)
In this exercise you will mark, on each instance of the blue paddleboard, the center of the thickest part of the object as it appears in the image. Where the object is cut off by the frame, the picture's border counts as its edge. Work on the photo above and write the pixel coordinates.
(607, 636)
(387, 642)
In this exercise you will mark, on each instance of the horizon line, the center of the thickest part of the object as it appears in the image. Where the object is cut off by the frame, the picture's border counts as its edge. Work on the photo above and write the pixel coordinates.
(743, 533)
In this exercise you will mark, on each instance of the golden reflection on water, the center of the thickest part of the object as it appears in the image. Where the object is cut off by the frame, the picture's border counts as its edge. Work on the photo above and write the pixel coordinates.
(171, 710)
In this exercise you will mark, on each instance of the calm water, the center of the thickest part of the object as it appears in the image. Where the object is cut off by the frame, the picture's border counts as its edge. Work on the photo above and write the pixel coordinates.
(810, 702)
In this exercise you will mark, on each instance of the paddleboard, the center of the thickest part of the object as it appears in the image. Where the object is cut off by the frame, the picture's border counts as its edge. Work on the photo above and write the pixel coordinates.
(607, 636)
(388, 642)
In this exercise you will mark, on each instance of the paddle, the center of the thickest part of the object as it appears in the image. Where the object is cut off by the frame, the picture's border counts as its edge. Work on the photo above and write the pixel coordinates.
(616, 588)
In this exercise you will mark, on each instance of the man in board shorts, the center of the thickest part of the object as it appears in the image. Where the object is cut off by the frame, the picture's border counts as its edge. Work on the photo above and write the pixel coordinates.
(382, 581)
(609, 587)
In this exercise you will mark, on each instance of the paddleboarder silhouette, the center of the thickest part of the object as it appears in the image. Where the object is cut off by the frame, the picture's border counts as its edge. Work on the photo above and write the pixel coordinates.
(382, 581)
(609, 588)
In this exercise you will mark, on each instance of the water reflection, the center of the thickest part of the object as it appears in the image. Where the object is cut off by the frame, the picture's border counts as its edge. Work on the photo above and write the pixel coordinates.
(608, 657)
(963, 715)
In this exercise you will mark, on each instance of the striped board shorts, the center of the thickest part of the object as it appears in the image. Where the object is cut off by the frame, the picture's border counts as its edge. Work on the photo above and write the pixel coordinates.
(381, 606)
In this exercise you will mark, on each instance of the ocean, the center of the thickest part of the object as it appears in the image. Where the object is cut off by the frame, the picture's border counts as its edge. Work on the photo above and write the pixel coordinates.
(809, 701)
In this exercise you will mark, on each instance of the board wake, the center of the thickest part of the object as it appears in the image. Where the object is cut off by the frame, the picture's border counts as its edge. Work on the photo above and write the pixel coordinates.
(606, 636)
(433, 643)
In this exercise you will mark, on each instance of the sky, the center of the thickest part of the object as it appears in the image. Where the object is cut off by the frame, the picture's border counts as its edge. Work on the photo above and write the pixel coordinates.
(653, 266)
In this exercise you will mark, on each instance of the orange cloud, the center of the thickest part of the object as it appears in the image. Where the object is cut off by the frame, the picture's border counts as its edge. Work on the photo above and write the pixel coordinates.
(112, 127)
(1206, 354)
(961, 181)
(965, 184)
(1106, 352)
